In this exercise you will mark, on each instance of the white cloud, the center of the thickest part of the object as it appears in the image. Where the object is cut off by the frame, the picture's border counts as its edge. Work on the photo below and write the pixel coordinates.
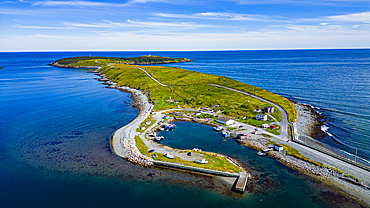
(153, 27)
(75, 3)
(219, 16)
(358, 17)
(91, 3)
(294, 36)
(164, 24)
(78, 25)
(41, 27)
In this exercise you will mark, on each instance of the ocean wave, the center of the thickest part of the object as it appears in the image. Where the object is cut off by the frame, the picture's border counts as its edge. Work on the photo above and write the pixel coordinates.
(357, 115)
(339, 141)
(324, 128)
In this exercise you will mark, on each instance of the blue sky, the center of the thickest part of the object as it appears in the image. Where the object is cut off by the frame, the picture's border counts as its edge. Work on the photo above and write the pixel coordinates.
(142, 25)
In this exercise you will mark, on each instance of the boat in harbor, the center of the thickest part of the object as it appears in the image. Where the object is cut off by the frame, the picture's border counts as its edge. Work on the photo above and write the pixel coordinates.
(217, 128)
(169, 156)
(169, 126)
(261, 153)
(203, 161)
(158, 138)
(225, 133)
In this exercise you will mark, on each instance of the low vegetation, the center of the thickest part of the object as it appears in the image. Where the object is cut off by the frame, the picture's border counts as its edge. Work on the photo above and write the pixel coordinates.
(293, 152)
(270, 142)
(336, 170)
(214, 162)
(266, 135)
(354, 178)
(205, 115)
(274, 131)
(141, 146)
(189, 89)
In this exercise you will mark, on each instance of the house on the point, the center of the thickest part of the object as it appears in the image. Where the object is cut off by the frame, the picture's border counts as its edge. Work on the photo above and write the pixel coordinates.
(268, 109)
(277, 147)
(225, 121)
(261, 117)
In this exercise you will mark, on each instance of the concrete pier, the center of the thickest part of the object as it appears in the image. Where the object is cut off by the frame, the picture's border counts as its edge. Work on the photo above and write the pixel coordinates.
(242, 182)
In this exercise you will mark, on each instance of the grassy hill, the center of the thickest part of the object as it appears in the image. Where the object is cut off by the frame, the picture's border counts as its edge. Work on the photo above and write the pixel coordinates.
(189, 89)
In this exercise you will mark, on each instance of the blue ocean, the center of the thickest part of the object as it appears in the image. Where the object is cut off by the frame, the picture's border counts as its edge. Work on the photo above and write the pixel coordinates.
(55, 127)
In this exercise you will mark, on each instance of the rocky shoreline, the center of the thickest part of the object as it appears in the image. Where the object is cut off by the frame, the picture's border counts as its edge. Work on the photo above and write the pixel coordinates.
(309, 122)
(123, 140)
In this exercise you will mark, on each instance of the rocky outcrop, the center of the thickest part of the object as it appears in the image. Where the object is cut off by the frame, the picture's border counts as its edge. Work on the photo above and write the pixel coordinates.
(133, 155)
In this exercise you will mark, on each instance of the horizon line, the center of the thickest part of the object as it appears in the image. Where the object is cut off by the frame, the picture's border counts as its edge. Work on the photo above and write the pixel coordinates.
(197, 50)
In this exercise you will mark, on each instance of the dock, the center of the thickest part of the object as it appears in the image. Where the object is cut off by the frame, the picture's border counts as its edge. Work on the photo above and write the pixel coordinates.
(242, 182)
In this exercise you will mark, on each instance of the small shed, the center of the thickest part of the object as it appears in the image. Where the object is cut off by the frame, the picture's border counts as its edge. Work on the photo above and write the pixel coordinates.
(225, 121)
(265, 125)
(277, 147)
(261, 117)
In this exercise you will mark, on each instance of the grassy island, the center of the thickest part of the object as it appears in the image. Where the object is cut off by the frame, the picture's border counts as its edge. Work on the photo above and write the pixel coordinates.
(174, 88)
(97, 61)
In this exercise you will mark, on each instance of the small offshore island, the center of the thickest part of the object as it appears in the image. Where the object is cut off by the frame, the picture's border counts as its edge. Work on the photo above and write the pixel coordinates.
(167, 94)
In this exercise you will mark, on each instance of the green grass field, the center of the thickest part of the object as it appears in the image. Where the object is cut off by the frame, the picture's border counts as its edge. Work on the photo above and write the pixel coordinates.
(214, 162)
(190, 89)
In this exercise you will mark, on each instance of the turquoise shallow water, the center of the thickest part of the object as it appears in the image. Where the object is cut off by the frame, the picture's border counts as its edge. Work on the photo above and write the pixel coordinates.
(55, 126)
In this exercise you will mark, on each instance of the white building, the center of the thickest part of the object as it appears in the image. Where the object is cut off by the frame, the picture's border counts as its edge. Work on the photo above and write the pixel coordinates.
(265, 125)
(261, 117)
(225, 121)
(277, 147)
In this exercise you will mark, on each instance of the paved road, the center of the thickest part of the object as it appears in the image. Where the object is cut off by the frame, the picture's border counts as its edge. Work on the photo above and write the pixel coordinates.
(284, 117)
(331, 159)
